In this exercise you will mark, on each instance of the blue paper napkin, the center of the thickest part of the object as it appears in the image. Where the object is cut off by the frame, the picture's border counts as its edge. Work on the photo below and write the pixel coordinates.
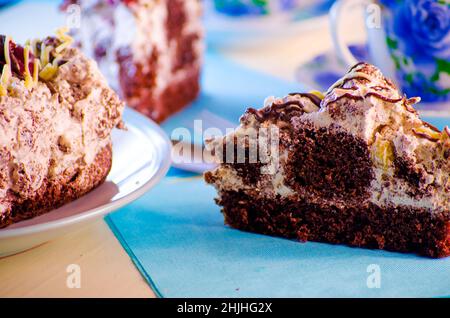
(176, 237)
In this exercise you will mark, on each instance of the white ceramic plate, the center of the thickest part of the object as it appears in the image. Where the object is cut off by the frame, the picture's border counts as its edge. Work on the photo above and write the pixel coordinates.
(141, 157)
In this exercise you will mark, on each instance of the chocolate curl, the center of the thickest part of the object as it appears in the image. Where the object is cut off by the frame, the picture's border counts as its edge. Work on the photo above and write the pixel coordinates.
(447, 131)
(424, 134)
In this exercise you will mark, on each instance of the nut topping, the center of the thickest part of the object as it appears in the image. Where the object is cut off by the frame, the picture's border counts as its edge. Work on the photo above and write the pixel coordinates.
(36, 60)
(384, 152)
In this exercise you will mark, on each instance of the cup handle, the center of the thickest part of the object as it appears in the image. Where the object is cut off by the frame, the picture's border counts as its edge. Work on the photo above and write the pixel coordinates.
(344, 54)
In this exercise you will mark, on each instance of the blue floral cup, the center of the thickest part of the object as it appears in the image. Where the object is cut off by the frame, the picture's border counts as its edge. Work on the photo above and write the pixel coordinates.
(410, 41)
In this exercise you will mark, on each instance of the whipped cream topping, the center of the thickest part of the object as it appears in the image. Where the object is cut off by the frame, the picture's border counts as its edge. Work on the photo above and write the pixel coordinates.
(276, 113)
(368, 106)
(138, 27)
(55, 128)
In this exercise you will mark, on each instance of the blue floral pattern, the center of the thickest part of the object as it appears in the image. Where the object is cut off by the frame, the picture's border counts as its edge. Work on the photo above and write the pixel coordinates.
(418, 36)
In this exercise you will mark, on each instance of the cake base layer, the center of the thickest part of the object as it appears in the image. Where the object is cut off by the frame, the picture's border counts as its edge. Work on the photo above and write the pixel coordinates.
(395, 229)
(52, 195)
(178, 95)
(138, 90)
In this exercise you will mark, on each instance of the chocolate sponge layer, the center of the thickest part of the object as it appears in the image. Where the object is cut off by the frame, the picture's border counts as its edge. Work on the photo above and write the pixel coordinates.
(402, 229)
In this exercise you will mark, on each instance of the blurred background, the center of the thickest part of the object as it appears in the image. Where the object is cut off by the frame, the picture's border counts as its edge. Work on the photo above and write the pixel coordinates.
(274, 36)
(293, 39)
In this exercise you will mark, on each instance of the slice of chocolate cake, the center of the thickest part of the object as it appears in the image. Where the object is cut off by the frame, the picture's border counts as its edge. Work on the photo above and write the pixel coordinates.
(149, 50)
(56, 117)
(358, 167)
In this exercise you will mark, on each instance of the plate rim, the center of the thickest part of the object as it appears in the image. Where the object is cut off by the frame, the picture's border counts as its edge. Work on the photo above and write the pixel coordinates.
(111, 206)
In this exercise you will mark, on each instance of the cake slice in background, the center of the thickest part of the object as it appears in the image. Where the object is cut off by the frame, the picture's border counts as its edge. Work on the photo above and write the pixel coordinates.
(56, 117)
(149, 50)
(358, 167)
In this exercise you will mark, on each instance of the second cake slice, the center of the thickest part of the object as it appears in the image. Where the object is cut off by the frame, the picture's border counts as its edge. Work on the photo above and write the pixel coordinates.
(357, 167)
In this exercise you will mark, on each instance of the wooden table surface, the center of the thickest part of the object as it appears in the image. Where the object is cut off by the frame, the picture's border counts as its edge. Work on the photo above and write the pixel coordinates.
(106, 270)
